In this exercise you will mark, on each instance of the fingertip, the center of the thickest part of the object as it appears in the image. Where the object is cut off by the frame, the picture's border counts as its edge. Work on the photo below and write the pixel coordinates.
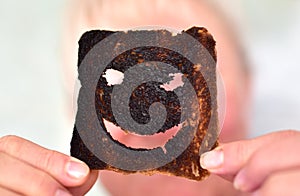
(243, 183)
(212, 160)
(239, 183)
(76, 169)
(86, 186)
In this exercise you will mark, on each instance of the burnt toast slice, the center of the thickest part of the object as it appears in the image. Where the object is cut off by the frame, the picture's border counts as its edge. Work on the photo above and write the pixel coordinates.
(186, 164)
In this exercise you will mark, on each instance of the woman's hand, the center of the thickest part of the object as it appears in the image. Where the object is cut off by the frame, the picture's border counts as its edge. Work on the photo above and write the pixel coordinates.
(29, 169)
(267, 165)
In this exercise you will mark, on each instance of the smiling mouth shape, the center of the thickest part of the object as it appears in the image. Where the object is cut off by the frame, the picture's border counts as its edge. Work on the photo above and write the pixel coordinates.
(137, 141)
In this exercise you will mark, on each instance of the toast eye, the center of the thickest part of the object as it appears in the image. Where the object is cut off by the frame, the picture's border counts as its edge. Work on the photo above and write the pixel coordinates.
(113, 77)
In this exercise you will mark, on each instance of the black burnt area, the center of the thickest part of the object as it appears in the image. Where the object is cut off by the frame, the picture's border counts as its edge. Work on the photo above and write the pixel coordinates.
(146, 93)
(80, 150)
(201, 34)
(88, 40)
(137, 55)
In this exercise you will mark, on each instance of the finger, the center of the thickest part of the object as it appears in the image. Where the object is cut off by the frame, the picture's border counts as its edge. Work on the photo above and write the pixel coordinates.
(68, 171)
(83, 189)
(281, 155)
(7, 192)
(25, 179)
(281, 183)
(228, 159)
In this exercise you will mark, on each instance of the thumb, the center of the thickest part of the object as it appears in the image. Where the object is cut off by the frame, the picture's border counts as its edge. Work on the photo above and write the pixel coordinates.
(227, 159)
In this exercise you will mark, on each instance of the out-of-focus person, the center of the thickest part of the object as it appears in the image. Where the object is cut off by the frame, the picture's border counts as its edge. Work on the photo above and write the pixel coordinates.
(180, 15)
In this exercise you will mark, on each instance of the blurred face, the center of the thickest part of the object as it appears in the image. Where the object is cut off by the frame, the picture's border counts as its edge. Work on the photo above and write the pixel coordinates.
(118, 15)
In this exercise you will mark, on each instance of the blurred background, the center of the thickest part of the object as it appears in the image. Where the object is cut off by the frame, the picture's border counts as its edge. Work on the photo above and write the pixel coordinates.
(33, 98)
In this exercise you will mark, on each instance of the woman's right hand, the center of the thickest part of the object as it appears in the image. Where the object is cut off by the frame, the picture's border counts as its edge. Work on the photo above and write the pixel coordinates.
(29, 169)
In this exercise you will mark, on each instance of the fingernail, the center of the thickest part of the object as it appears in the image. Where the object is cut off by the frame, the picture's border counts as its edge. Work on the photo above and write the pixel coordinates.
(212, 159)
(61, 192)
(77, 169)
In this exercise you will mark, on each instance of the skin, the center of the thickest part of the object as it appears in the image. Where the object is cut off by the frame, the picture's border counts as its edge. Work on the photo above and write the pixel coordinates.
(29, 169)
(253, 167)
(267, 165)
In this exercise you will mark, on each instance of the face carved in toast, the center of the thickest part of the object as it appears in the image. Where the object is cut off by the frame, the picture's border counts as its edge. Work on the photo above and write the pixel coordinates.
(133, 140)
